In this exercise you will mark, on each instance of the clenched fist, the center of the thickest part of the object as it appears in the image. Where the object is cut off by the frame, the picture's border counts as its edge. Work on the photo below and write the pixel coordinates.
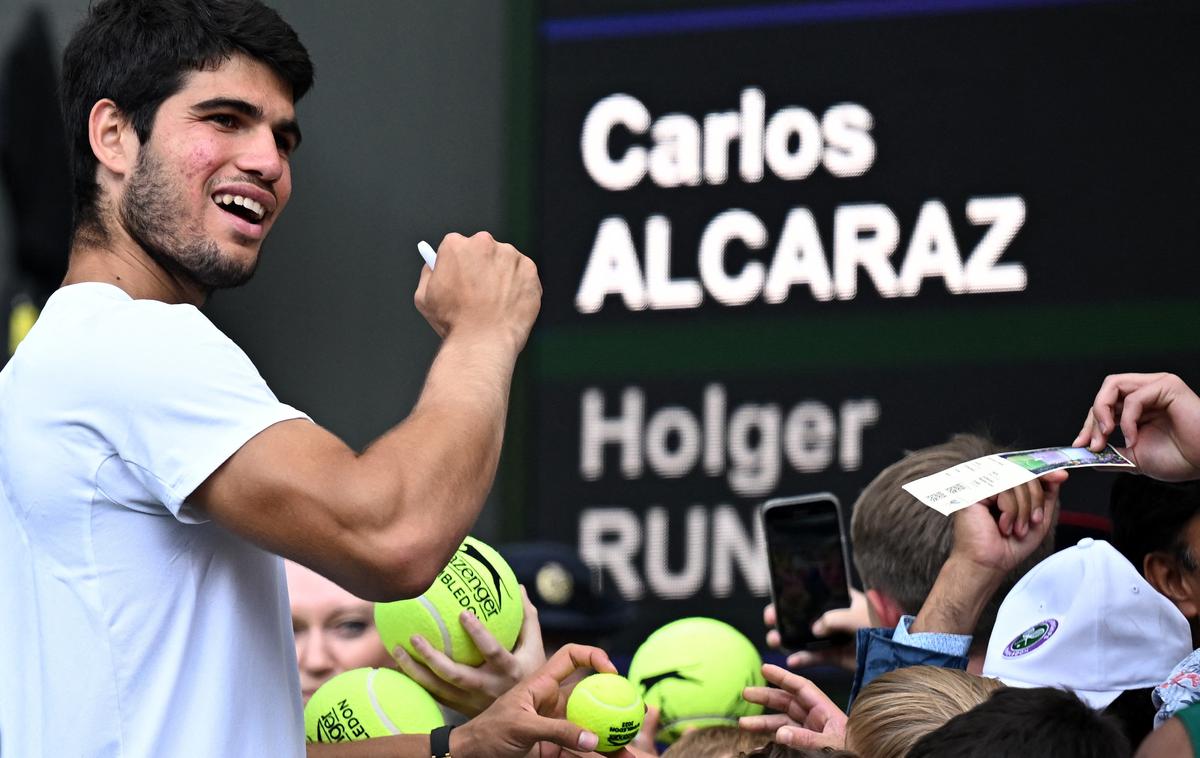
(482, 287)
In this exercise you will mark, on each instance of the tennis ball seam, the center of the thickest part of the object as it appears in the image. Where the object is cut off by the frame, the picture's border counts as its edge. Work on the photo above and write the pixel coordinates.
(436, 615)
(379, 712)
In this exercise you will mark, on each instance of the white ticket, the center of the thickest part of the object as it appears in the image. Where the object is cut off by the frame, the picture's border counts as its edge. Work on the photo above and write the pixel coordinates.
(959, 486)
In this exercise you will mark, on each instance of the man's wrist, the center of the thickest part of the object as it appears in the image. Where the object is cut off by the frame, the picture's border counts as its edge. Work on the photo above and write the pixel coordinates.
(962, 590)
(498, 338)
(462, 741)
(974, 575)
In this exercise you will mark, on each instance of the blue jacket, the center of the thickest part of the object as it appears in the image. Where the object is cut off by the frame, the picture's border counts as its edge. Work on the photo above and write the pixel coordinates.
(878, 653)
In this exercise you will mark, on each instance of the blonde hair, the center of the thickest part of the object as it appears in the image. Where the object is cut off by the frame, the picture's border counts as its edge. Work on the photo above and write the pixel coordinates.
(899, 707)
(716, 742)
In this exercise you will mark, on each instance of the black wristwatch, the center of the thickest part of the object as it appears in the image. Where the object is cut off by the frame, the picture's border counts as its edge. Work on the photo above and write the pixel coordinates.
(439, 742)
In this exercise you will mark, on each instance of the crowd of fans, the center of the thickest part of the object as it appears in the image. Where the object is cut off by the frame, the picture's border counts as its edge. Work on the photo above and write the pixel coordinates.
(973, 637)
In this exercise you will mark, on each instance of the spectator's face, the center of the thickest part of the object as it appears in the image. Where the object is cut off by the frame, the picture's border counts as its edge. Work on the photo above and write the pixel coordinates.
(1189, 571)
(1176, 574)
(335, 631)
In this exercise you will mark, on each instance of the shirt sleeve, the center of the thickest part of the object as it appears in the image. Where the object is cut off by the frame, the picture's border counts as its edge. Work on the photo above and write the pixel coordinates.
(934, 642)
(1181, 690)
(187, 400)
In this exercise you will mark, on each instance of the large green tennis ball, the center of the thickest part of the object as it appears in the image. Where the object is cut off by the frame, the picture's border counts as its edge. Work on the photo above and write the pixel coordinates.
(610, 707)
(363, 703)
(477, 579)
(693, 670)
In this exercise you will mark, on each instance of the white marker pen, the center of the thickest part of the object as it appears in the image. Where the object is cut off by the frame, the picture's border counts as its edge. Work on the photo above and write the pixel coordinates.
(427, 253)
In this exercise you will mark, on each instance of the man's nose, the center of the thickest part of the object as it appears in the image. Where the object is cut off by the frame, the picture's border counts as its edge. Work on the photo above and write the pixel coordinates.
(261, 155)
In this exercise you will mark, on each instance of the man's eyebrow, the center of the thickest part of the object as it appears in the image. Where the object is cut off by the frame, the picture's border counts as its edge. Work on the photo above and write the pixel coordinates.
(231, 103)
(289, 127)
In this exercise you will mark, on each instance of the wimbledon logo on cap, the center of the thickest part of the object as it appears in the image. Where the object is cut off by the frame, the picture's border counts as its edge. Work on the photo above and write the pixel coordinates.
(1031, 639)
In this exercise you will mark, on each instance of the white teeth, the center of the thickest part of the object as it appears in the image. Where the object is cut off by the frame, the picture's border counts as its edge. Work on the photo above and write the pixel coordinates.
(255, 206)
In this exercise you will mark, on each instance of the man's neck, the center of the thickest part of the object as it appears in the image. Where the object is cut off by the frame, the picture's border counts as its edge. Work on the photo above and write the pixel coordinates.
(975, 662)
(117, 260)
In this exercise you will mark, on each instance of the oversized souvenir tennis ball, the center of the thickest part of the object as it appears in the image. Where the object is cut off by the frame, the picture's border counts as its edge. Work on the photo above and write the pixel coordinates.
(477, 579)
(693, 670)
(610, 707)
(363, 703)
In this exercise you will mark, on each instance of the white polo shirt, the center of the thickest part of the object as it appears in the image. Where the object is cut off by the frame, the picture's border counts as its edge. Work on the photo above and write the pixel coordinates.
(129, 625)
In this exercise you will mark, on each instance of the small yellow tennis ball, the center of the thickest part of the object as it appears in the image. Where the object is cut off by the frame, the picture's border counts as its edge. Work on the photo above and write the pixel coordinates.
(363, 703)
(477, 579)
(610, 707)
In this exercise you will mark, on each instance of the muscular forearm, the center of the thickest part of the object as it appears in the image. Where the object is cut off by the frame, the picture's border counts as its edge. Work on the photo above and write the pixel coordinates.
(424, 482)
(957, 599)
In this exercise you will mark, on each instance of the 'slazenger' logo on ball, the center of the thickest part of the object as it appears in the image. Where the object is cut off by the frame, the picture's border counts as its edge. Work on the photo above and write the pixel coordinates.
(476, 594)
(473, 552)
(340, 724)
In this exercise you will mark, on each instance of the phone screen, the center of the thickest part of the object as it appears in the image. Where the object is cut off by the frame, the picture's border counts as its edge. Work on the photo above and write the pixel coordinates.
(807, 559)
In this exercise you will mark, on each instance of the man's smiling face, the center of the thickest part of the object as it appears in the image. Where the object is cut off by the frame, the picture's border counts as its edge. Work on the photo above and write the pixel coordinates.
(214, 175)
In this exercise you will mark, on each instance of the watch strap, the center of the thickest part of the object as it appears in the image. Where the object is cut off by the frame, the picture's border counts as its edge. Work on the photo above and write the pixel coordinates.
(439, 742)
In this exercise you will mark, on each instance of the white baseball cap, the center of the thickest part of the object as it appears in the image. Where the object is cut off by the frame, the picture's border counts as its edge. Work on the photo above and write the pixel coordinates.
(1084, 619)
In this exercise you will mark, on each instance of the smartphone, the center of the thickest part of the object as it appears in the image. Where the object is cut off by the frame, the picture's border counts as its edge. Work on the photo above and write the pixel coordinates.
(809, 565)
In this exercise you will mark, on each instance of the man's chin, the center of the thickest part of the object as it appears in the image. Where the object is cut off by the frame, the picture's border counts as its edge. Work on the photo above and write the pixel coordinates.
(219, 271)
(225, 277)
(233, 267)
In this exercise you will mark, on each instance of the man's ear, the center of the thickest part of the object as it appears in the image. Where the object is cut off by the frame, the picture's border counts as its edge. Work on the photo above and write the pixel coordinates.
(113, 139)
(884, 609)
(1164, 573)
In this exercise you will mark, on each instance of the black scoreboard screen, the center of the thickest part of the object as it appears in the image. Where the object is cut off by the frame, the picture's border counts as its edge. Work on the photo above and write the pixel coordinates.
(783, 243)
